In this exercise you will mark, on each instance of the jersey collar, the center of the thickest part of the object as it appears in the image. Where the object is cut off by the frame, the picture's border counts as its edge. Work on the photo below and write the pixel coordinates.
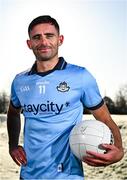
(59, 66)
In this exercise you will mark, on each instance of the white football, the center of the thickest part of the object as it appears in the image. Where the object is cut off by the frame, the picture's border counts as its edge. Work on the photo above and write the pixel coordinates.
(88, 135)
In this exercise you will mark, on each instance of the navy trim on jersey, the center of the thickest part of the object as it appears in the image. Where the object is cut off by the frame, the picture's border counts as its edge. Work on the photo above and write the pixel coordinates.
(14, 105)
(97, 106)
(59, 66)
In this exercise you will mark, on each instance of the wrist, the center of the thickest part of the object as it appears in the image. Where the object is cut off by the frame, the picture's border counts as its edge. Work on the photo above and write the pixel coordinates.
(12, 147)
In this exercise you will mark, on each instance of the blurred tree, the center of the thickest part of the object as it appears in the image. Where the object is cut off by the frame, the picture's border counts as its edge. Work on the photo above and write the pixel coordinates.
(4, 101)
(121, 100)
(86, 111)
(110, 104)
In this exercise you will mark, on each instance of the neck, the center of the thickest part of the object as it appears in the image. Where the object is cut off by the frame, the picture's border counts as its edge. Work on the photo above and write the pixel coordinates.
(43, 66)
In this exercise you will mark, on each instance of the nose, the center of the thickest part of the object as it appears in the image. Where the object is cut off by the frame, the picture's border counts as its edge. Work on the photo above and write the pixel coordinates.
(43, 41)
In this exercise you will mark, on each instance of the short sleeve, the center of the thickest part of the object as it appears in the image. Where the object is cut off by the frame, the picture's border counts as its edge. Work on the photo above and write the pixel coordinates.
(14, 98)
(91, 96)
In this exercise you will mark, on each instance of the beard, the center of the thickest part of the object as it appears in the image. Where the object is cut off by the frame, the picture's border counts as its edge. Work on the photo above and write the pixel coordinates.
(45, 56)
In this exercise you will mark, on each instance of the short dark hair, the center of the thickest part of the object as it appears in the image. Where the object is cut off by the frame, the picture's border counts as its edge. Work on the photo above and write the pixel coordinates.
(41, 20)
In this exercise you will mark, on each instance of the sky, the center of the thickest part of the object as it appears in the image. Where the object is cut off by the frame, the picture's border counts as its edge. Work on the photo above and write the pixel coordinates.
(95, 37)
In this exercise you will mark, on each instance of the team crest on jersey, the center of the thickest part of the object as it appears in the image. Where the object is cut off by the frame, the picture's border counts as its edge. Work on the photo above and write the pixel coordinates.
(63, 87)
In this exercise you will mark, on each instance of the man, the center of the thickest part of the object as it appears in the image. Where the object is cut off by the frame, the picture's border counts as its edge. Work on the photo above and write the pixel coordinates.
(52, 95)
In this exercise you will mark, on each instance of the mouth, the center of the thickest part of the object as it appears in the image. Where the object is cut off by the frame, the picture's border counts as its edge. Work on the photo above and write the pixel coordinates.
(45, 49)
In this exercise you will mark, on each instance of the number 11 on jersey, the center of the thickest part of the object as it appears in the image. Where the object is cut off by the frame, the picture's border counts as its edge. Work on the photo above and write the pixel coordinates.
(41, 89)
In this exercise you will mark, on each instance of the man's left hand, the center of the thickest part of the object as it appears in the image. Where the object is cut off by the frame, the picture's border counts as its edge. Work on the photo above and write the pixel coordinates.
(113, 154)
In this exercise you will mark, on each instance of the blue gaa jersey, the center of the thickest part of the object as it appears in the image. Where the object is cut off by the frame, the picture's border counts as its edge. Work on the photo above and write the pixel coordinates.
(52, 104)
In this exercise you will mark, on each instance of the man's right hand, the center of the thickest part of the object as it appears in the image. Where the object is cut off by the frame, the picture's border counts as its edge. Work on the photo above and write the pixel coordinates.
(19, 156)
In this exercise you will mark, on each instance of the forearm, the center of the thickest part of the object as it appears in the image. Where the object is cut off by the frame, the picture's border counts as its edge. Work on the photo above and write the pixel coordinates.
(116, 134)
(13, 127)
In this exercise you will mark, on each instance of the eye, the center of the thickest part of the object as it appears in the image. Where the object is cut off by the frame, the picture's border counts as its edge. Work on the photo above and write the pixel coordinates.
(36, 37)
(49, 35)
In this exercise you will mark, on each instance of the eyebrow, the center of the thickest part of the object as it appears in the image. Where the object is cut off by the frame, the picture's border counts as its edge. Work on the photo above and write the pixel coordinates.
(53, 34)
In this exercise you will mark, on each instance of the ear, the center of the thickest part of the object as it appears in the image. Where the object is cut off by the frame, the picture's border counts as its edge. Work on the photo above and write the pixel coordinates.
(29, 44)
(61, 39)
